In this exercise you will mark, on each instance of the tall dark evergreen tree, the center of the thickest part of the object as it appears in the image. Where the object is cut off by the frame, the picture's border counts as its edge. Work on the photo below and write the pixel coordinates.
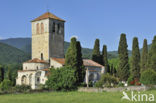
(135, 63)
(144, 56)
(81, 70)
(1, 73)
(74, 59)
(96, 52)
(72, 56)
(123, 69)
(104, 56)
(152, 55)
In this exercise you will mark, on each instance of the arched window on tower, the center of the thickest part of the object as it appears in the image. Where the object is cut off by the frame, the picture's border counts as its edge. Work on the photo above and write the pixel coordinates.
(42, 28)
(53, 27)
(37, 28)
(58, 29)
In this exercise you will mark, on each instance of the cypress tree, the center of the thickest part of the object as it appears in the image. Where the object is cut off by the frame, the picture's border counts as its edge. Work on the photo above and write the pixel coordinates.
(144, 56)
(123, 68)
(135, 63)
(74, 59)
(1, 73)
(152, 55)
(81, 68)
(71, 57)
(71, 54)
(96, 52)
(105, 60)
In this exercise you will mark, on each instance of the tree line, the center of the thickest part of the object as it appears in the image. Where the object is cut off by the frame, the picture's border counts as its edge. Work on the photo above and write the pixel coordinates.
(128, 67)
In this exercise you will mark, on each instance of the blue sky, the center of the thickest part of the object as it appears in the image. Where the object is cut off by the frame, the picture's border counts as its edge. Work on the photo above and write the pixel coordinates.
(87, 19)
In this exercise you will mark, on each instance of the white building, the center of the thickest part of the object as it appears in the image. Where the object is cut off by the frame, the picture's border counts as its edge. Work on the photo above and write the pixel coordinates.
(48, 51)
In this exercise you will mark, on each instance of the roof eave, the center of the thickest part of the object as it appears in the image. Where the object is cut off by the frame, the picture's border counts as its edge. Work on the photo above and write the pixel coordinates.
(48, 18)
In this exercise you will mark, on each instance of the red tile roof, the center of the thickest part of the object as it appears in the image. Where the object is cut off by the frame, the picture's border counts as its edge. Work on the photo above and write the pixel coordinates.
(36, 60)
(59, 60)
(45, 69)
(48, 15)
(86, 62)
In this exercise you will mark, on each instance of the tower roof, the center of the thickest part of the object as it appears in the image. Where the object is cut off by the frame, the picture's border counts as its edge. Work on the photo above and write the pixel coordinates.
(48, 15)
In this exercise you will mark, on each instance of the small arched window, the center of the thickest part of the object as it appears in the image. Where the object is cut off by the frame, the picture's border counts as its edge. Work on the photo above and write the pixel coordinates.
(37, 28)
(53, 27)
(41, 56)
(42, 28)
(37, 68)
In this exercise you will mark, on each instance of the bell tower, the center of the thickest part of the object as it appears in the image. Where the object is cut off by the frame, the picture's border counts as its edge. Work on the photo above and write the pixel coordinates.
(47, 37)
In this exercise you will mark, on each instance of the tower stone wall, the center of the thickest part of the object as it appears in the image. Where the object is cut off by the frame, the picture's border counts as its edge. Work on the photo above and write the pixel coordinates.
(47, 39)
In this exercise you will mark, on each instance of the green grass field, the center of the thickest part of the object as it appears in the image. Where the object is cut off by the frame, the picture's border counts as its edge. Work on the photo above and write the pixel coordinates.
(67, 97)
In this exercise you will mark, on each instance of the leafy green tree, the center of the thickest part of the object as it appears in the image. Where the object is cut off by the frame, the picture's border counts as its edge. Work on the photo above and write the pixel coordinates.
(96, 52)
(113, 70)
(9, 74)
(148, 77)
(152, 55)
(110, 69)
(81, 68)
(135, 62)
(105, 60)
(1, 73)
(5, 85)
(62, 79)
(123, 67)
(144, 56)
(114, 62)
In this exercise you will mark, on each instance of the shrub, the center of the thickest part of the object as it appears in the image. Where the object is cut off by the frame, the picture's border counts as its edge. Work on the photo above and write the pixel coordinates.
(62, 79)
(148, 77)
(120, 84)
(22, 88)
(6, 85)
(83, 84)
(107, 81)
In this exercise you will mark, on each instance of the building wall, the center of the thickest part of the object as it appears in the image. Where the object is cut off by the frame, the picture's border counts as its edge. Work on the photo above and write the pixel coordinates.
(35, 66)
(31, 78)
(40, 42)
(27, 75)
(93, 74)
(55, 64)
(56, 39)
(48, 43)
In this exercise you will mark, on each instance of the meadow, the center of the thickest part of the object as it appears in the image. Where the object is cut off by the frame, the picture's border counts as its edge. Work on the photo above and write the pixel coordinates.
(68, 97)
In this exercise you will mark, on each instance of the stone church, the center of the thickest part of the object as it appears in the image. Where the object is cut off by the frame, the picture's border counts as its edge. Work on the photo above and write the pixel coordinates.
(48, 51)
